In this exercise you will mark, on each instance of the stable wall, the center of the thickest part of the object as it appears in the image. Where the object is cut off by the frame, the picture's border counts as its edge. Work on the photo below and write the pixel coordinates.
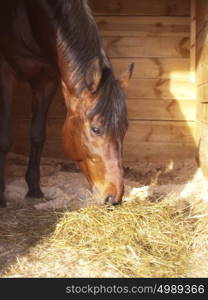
(155, 35)
(202, 81)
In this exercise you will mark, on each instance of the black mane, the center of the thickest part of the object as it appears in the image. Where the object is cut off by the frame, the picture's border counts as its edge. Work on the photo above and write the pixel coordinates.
(111, 107)
(81, 44)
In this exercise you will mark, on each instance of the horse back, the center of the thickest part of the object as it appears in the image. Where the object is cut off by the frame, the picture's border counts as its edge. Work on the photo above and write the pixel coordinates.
(27, 36)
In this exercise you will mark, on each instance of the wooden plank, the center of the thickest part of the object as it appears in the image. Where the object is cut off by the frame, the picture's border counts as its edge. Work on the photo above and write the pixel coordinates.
(160, 132)
(201, 48)
(202, 92)
(202, 113)
(162, 110)
(151, 152)
(158, 152)
(202, 73)
(202, 82)
(143, 26)
(193, 41)
(161, 88)
(201, 54)
(143, 8)
(202, 29)
(202, 15)
(203, 146)
(168, 68)
(175, 47)
(139, 131)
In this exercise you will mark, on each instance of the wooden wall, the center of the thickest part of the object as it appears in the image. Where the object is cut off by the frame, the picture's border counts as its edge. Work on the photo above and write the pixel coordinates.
(202, 81)
(155, 35)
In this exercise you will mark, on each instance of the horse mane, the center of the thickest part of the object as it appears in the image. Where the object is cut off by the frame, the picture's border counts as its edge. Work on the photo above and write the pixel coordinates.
(111, 106)
(80, 42)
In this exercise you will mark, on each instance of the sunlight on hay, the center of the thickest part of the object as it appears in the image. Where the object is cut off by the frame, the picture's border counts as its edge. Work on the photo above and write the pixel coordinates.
(137, 239)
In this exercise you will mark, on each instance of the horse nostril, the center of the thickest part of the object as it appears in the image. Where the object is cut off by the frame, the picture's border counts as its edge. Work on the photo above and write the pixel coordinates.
(109, 199)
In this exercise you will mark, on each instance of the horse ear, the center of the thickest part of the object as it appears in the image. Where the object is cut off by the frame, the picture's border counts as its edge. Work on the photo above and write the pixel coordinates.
(93, 75)
(124, 80)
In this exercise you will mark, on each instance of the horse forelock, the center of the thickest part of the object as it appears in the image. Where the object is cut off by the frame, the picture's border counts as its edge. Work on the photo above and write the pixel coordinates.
(111, 106)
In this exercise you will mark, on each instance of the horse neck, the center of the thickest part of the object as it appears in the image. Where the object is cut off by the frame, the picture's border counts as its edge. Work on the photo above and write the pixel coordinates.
(78, 39)
(69, 43)
(42, 27)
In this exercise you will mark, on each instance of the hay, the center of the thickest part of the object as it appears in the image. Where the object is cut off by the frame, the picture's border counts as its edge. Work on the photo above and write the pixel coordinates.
(138, 239)
(160, 231)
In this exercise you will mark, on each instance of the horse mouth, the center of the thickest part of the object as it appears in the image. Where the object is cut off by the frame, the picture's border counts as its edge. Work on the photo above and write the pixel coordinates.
(107, 198)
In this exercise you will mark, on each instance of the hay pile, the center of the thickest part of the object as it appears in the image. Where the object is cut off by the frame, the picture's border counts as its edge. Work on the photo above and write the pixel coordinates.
(138, 239)
(155, 233)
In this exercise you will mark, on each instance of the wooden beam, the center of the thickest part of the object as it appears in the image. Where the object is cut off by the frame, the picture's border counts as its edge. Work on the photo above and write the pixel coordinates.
(157, 109)
(193, 42)
(141, 7)
(143, 26)
(150, 46)
(158, 152)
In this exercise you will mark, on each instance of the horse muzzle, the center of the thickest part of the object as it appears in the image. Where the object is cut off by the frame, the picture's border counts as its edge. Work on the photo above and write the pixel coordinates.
(109, 197)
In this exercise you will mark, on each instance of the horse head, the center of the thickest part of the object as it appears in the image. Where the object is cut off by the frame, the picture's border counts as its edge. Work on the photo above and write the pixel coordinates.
(94, 130)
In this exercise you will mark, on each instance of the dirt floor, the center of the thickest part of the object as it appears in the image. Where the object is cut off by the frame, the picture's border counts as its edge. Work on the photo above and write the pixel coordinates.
(65, 188)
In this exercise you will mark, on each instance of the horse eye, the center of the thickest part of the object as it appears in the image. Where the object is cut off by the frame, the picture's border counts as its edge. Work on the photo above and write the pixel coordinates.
(96, 130)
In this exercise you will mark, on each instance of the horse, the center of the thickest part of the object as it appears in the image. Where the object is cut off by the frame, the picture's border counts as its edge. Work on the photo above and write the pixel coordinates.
(52, 43)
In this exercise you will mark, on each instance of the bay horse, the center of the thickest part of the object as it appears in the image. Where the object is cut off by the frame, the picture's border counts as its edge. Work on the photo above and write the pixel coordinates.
(56, 42)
